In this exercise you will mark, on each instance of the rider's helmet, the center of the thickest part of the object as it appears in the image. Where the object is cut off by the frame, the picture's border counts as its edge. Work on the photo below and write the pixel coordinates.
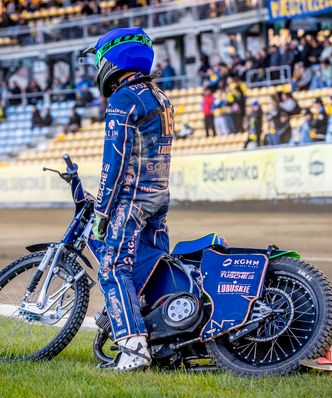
(120, 51)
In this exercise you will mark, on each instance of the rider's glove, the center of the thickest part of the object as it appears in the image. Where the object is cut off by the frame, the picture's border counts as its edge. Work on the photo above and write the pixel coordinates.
(99, 227)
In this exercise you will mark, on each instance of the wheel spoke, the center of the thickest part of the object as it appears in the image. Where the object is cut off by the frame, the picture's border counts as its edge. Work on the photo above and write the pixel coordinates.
(284, 332)
(24, 334)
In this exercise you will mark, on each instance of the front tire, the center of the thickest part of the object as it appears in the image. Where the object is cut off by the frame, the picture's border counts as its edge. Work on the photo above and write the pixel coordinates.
(308, 334)
(22, 338)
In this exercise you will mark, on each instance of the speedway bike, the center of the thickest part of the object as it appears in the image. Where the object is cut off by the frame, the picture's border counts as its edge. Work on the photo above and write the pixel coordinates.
(207, 305)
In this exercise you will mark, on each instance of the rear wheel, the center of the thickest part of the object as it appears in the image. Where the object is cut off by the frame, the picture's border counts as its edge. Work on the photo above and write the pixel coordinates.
(301, 326)
(27, 336)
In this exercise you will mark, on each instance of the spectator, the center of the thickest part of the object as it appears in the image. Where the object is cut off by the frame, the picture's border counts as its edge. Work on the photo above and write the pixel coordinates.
(248, 55)
(74, 123)
(304, 50)
(57, 86)
(242, 90)
(37, 120)
(2, 112)
(83, 82)
(15, 90)
(86, 96)
(208, 112)
(326, 50)
(262, 59)
(222, 112)
(254, 124)
(158, 69)
(275, 59)
(279, 126)
(244, 69)
(213, 78)
(302, 77)
(323, 76)
(293, 45)
(69, 85)
(186, 131)
(33, 87)
(3, 93)
(287, 55)
(234, 89)
(47, 120)
(203, 67)
(326, 72)
(302, 134)
(167, 74)
(86, 9)
(314, 52)
(319, 121)
(289, 104)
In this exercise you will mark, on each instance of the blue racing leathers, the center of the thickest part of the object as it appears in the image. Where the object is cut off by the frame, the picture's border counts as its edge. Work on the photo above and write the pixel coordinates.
(133, 195)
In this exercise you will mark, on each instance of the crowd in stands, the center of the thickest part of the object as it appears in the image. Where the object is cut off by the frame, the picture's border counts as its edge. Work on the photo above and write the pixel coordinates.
(224, 99)
(39, 14)
(308, 59)
(83, 92)
(225, 106)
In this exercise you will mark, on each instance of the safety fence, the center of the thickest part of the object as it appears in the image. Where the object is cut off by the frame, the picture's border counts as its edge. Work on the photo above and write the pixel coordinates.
(273, 75)
(61, 95)
(280, 173)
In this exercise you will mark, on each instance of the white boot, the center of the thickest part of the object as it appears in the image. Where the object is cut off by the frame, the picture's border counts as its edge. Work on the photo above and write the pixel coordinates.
(134, 354)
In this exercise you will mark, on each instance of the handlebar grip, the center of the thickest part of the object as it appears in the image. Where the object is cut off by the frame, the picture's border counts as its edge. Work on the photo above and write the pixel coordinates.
(68, 161)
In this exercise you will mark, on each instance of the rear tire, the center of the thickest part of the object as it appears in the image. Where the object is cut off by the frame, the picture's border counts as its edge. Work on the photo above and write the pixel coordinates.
(314, 326)
(77, 312)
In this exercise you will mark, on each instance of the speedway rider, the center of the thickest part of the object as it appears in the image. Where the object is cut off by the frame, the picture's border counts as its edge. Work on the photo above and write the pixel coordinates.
(133, 195)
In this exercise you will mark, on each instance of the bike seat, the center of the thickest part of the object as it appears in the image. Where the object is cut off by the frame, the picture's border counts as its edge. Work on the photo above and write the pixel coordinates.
(192, 246)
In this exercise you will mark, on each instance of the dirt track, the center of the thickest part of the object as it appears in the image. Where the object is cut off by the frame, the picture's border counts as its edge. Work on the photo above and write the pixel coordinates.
(309, 233)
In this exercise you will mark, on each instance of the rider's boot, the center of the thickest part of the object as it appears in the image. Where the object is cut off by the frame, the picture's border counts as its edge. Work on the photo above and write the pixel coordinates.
(134, 354)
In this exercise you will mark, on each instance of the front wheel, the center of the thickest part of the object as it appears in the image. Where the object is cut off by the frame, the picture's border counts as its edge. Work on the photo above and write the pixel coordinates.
(300, 328)
(27, 336)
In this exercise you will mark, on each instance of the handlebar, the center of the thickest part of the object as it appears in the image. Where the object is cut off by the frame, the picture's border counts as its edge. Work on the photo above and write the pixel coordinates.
(71, 167)
(71, 177)
(68, 161)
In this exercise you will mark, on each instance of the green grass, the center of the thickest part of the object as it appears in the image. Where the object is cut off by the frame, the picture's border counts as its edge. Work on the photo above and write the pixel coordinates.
(73, 374)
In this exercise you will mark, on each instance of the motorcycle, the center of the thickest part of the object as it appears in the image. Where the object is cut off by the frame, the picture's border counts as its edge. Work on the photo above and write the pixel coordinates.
(245, 310)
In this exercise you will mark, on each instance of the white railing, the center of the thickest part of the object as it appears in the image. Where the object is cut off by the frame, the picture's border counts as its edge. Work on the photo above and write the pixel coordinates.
(273, 75)
(49, 96)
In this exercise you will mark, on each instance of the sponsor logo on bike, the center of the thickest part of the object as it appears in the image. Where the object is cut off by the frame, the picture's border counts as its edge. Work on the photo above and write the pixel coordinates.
(227, 262)
(233, 288)
(237, 275)
(241, 262)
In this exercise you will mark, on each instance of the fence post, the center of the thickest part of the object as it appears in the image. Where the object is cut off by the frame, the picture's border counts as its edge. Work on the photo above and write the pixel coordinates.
(268, 76)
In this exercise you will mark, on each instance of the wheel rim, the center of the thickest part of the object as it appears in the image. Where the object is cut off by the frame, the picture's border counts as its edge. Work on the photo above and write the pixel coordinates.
(23, 335)
(258, 348)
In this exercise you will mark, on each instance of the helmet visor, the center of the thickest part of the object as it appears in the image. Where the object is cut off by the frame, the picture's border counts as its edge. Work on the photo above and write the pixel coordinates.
(88, 56)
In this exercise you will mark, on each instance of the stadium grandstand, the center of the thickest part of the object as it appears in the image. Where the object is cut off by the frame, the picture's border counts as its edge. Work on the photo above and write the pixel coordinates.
(242, 75)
